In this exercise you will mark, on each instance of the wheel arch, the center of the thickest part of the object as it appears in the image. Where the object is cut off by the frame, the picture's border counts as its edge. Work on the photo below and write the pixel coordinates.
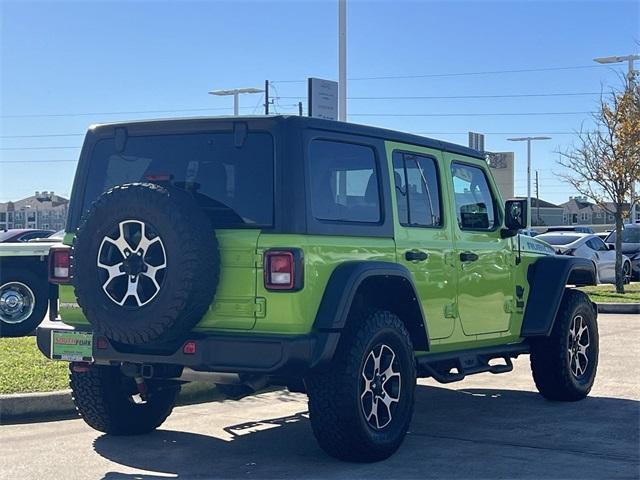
(372, 284)
(547, 279)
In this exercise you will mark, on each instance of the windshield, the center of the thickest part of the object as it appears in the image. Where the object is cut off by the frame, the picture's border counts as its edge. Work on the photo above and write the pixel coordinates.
(629, 235)
(232, 181)
(558, 239)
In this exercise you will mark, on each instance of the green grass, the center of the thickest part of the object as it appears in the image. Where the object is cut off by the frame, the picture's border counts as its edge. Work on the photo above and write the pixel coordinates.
(607, 293)
(24, 369)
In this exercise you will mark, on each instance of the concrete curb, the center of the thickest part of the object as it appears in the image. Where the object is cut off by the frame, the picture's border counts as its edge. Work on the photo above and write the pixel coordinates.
(628, 308)
(28, 407)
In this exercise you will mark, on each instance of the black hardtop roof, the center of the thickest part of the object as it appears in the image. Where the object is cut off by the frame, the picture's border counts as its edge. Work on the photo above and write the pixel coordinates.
(299, 122)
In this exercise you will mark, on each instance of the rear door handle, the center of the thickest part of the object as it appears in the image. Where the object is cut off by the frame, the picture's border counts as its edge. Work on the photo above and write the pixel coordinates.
(468, 257)
(416, 255)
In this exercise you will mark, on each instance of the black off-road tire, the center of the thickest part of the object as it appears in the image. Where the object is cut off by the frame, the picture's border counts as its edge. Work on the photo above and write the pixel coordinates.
(551, 363)
(103, 397)
(337, 415)
(192, 258)
(39, 288)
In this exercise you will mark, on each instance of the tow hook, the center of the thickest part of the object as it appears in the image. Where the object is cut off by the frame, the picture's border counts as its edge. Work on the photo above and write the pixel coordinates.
(80, 367)
(142, 388)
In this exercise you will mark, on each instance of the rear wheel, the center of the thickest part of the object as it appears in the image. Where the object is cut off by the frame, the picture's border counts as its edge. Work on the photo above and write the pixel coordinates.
(108, 401)
(361, 406)
(23, 302)
(564, 364)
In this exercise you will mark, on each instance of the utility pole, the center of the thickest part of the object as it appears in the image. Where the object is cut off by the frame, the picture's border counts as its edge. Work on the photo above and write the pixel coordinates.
(528, 140)
(537, 198)
(300, 108)
(342, 60)
(266, 97)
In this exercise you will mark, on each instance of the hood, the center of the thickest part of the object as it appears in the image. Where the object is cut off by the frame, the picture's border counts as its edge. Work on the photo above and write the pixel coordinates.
(532, 244)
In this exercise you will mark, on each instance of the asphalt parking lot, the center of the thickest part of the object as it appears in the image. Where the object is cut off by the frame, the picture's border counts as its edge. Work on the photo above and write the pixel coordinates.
(488, 426)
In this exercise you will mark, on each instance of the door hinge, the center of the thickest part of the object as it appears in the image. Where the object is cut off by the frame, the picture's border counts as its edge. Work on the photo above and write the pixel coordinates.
(451, 310)
(260, 307)
(449, 258)
(508, 306)
(258, 259)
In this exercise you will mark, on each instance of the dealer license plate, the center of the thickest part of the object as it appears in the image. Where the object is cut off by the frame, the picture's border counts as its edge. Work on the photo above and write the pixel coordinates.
(72, 346)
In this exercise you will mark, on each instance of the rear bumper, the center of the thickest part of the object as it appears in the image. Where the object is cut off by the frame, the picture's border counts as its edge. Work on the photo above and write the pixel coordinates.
(233, 353)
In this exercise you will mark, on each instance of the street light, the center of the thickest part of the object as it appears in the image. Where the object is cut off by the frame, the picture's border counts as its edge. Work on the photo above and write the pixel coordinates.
(626, 58)
(630, 83)
(235, 92)
(528, 140)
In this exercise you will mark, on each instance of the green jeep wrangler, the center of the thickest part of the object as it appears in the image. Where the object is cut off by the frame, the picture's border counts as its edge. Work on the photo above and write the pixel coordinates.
(339, 260)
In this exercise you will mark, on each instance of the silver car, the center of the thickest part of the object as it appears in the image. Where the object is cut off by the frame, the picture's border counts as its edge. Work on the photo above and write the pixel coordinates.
(589, 246)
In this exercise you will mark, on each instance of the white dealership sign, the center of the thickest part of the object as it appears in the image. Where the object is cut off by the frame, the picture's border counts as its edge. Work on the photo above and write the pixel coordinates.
(323, 99)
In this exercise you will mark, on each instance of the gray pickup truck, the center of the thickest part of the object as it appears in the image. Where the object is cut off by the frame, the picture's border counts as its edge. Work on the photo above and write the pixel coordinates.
(24, 288)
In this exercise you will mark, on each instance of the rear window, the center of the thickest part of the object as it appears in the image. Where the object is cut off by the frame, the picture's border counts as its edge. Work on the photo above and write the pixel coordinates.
(232, 183)
(558, 239)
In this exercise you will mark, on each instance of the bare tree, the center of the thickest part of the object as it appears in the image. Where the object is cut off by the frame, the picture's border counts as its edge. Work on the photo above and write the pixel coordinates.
(604, 164)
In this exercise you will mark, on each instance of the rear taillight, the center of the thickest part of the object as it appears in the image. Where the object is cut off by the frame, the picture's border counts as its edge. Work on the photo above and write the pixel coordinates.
(283, 270)
(59, 264)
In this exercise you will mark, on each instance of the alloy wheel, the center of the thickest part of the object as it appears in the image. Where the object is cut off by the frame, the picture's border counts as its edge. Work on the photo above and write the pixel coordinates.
(578, 345)
(380, 386)
(132, 262)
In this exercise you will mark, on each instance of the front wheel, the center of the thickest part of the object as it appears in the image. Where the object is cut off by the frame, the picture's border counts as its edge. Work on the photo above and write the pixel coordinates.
(564, 364)
(361, 406)
(107, 401)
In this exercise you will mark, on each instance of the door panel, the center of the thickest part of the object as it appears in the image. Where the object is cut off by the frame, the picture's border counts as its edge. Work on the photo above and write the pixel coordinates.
(423, 237)
(483, 258)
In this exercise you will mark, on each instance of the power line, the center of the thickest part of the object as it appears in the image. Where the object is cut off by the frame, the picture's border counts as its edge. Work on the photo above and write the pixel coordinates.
(476, 114)
(44, 135)
(459, 74)
(37, 148)
(449, 97)
(36, 161)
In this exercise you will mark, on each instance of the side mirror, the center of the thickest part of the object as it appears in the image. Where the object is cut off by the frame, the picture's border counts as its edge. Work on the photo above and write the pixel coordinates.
(611, 246)
(515, 217)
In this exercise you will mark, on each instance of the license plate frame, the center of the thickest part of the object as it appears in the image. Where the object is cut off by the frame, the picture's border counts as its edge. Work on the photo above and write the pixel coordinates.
(72, 346)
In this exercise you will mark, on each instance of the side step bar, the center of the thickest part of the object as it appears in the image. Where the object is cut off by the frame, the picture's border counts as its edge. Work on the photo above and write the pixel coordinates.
(467, 362)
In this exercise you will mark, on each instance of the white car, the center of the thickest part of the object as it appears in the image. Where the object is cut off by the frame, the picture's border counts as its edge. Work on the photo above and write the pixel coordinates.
(590, 246)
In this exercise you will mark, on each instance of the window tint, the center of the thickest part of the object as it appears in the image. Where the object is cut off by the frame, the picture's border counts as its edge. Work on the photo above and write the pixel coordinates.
(629, 235)
(417, 190)
(344, 182)
(475, 207)
(232, 183)
(597, 244)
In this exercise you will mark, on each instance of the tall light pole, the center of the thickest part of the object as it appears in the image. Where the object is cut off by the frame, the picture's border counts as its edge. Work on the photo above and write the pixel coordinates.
(630, 84)
(236, 93)
(528, 140)
(342, 60)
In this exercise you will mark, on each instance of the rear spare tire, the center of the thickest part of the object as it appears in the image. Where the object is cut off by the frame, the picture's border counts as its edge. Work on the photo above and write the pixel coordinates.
(145, 263)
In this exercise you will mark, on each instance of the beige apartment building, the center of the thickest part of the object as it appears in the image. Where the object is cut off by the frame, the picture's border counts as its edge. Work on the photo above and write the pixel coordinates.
(44, 210)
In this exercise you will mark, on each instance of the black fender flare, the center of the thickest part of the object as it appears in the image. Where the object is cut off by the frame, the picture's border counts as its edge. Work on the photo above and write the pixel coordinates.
(343, 285)
(547, 279)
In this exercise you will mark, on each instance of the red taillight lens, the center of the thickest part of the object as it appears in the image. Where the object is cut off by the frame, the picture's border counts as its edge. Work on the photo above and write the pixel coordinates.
(189, 348)
(59, 264)
(283, 270)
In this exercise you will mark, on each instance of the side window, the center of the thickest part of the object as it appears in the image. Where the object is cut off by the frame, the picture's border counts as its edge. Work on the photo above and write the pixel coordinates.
(344, 182)
(597, 244)
(475, 205)
(417, 190)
